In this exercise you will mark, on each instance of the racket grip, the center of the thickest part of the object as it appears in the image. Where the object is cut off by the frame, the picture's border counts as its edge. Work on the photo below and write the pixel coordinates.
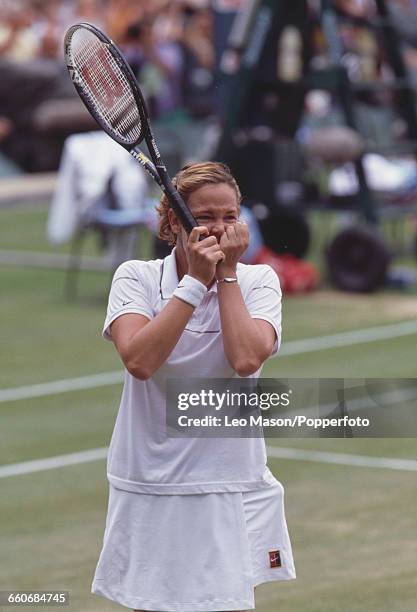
(181, 210)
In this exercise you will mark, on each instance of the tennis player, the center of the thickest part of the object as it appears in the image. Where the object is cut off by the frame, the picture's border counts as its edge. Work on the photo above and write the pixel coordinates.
(193, 524)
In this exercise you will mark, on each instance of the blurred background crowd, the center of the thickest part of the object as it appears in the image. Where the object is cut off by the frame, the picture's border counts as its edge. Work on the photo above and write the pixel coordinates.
(169, 45)
(278, 125)
(175, 49)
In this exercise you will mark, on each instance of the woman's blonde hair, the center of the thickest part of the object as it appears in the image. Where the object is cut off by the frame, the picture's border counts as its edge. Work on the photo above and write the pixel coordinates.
(186, 181)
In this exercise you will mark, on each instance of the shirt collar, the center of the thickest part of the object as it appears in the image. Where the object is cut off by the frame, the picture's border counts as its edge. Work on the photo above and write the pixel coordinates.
(169, 277)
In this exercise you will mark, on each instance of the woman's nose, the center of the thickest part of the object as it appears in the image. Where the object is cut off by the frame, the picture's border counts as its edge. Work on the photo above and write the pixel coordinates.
(217, 229)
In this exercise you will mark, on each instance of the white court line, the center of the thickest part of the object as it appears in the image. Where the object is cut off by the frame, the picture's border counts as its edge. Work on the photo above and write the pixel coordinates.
(41, 465)
(298, 454)
(359, 336)
(295, 347)
(358, 404)
(61, 386)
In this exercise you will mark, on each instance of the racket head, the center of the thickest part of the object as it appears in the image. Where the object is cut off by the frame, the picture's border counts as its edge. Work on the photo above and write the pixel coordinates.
(106, 84)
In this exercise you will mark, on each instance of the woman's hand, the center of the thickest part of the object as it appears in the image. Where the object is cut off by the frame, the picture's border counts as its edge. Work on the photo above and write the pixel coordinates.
(203, 255)
(233, 244)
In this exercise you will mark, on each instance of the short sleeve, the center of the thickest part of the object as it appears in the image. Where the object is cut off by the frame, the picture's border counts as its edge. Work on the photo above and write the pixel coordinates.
(263, 300)
(131, 292)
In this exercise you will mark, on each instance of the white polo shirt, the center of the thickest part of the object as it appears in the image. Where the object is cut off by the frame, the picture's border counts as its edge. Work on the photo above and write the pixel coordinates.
(142, 457)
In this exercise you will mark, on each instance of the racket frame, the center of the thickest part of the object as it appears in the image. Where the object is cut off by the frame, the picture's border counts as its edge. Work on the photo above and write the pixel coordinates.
(156, 169)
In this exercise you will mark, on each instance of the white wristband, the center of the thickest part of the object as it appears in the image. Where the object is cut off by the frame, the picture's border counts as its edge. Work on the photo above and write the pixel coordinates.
(190, 290)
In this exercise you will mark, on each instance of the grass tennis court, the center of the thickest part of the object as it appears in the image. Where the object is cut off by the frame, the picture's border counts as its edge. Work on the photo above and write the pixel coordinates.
(353, 528)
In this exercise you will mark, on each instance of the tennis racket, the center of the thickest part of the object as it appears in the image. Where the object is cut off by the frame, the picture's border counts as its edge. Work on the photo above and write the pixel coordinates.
(109, 90)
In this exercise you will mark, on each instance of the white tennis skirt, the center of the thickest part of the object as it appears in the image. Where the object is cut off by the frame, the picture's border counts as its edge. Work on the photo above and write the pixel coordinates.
(193, 553)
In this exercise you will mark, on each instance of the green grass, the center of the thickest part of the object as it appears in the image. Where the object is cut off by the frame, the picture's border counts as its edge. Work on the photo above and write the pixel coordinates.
(352, 533)
(41, 428)
(346, 534)
(31, 234)
(24, 229)
(382, 359)
(352, 528)
(47, 337)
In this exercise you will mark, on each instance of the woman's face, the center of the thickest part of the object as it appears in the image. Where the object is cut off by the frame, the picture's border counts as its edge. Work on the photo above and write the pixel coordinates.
(213, 206)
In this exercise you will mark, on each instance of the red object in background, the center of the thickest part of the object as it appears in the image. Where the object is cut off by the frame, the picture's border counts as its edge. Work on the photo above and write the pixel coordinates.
(295, 275)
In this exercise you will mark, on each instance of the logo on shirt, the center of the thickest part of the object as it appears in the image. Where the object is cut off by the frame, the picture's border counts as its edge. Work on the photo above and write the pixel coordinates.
(128, 302)
(275, 558)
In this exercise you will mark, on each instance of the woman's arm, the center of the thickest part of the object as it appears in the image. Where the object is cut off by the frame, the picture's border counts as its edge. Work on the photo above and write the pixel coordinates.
(248, 342)
(145, 345)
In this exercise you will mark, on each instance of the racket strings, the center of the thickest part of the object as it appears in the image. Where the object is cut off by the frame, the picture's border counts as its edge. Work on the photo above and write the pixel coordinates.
(105, 86)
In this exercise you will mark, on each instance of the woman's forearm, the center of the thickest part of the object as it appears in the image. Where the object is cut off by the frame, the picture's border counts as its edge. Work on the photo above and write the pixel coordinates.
(245, 345)
(150, 346)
